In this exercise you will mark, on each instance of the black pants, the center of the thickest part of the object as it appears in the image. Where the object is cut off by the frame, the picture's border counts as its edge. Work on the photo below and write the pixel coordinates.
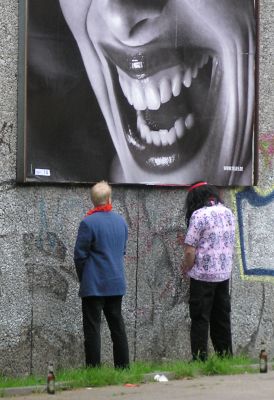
(92, 310)
(209, 307)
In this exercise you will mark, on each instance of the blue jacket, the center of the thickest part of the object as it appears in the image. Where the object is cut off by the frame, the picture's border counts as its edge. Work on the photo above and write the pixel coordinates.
(99, 254)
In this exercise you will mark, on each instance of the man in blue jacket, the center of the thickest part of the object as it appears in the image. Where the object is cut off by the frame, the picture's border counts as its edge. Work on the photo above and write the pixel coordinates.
(99, 261)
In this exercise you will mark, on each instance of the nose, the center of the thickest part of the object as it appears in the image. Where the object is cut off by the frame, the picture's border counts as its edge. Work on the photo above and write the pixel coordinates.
(125, 18)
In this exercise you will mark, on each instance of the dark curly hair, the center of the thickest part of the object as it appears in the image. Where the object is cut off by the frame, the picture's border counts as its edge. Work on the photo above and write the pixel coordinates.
(200, 197)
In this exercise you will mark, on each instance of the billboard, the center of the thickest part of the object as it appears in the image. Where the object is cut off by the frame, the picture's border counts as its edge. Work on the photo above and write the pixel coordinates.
(137, 92)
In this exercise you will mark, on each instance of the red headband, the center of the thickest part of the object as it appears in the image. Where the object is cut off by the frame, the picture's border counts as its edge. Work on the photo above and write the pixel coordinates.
(196, 185)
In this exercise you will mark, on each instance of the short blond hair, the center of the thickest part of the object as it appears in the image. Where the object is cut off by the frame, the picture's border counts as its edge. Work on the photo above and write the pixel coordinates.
(100, 193)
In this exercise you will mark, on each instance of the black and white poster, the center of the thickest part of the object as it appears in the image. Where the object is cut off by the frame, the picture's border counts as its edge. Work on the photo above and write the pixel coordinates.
(157, 92)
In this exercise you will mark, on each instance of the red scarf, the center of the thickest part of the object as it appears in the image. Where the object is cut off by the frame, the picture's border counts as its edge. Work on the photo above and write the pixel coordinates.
(104, 208)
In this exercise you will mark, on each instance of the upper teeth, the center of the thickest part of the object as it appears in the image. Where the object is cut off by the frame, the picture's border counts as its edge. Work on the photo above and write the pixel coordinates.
(151, 92)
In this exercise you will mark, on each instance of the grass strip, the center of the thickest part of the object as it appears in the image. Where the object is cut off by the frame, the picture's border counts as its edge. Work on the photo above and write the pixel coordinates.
(107, 375)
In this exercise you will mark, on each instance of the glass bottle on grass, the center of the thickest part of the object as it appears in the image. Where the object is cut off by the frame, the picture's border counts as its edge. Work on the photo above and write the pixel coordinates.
(263, 358)
(50, 380)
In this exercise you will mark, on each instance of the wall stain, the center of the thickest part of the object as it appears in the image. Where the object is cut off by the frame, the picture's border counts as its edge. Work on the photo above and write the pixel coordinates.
(47, 242)
(5, 135)
(266, 148)
(45, 280)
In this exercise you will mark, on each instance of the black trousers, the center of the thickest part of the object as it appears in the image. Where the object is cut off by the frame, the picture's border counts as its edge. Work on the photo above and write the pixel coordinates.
(209, 308)
(92, 308)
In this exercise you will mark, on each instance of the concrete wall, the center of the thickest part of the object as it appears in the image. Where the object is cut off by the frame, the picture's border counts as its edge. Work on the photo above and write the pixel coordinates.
(39, 304)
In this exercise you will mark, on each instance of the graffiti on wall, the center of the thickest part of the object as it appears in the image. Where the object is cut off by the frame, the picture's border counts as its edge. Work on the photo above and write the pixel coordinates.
(255, 211)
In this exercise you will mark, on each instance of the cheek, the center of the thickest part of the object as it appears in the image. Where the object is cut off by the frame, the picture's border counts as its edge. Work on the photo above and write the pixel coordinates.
(95, 23)
(206, 22)
(75, 14)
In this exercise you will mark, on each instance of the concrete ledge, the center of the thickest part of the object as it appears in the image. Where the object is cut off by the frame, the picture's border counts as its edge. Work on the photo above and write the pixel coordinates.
(21, 391)
(26, 390)
(256, 366)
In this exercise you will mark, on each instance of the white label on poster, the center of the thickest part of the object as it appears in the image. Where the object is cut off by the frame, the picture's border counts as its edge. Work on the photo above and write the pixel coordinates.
(43, 172)
(233, 168)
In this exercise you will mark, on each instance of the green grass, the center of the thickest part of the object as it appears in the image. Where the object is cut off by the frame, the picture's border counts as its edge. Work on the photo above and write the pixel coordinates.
(86, 377)
(20, 381)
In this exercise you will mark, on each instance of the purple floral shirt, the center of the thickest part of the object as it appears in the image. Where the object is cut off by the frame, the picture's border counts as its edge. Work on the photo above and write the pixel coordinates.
(212, 232)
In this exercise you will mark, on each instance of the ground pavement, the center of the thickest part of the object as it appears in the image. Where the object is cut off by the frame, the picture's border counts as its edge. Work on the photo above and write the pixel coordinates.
(243, 387)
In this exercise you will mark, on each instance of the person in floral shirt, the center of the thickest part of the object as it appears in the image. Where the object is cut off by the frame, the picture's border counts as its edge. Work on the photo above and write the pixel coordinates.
(208, 259)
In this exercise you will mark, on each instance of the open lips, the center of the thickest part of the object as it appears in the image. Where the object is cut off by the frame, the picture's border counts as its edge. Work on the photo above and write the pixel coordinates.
(161, 96)
(149, 94)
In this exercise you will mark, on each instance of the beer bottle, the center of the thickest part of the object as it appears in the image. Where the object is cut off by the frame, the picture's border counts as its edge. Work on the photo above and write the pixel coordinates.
(50, 380)
(263, 358)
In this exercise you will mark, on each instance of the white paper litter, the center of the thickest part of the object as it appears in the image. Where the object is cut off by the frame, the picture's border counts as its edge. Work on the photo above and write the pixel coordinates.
(160, 378)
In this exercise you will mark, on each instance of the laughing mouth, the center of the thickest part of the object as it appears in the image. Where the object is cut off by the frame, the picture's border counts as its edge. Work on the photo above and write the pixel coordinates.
(162, 103)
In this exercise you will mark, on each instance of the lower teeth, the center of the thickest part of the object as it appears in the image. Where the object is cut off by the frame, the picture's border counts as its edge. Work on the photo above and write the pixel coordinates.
(164, 137)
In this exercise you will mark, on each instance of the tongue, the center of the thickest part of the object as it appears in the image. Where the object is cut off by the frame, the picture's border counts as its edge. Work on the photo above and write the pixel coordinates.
(168, 113)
